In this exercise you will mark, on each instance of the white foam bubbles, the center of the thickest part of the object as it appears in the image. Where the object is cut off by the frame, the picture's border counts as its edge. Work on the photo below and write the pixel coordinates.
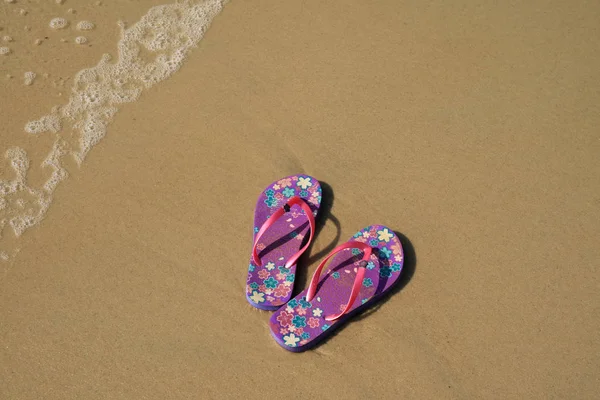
(29, 77)
(81, 40)
(21, 223)
(85, 25)
(28, 205)
(19, 161)
(148, 52)
(4, 51)
(59, 173)
(58, 23)
(48, 123)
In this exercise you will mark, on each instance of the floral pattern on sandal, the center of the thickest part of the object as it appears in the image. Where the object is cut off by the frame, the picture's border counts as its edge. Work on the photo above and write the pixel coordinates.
(281, 240)
(302, 323)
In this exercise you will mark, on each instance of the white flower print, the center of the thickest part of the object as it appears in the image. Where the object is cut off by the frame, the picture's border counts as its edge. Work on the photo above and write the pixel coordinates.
(317, 312)
(291, 340)
(257, 297)
(304, 183)
(385, 235)
(270, 266)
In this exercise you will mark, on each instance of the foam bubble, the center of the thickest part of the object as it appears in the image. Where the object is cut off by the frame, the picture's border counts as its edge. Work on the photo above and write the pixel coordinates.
(58, 23)
(21, 223)
(4, 51)
(19, 161)
(85, 26)
(29, 77)
(28, 205)
(9, 1)
(81, 40)
(60, 2)
(23, 11)
(48, 123)
(59, 173)
(7, 38)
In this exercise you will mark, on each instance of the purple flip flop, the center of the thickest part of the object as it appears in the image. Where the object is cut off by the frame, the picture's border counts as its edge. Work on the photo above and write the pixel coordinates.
(284, 226)
(362, 270)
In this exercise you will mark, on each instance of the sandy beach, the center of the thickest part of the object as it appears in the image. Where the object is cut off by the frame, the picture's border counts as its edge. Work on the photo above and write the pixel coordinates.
(471, 129)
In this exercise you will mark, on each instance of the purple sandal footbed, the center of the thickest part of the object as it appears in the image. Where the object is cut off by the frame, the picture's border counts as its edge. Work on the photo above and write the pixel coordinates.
(270, 285)
(301, 324)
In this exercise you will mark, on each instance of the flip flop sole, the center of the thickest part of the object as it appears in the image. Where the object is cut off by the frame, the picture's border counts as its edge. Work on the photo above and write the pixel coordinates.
(301, 324)
(270, 285)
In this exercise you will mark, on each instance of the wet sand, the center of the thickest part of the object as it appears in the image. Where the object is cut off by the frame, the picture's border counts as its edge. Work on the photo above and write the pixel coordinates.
(472, 130)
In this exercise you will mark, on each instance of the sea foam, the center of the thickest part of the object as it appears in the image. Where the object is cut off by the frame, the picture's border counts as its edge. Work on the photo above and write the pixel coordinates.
(167, 33)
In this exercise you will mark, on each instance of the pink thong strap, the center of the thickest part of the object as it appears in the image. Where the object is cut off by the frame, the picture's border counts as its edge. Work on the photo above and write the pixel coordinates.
(274, 217)
(358, 281)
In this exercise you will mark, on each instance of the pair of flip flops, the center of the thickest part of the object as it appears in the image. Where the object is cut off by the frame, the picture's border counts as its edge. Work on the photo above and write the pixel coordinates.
(359, 273)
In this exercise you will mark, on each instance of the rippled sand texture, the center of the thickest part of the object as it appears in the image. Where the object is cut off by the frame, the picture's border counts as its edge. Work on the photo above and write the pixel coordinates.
(149, 51)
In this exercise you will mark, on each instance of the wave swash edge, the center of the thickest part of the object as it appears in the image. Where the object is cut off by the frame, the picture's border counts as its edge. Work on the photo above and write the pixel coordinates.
(149, 52)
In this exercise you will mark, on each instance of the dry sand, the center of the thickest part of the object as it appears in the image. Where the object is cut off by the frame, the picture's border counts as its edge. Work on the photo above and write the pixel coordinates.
(471, 129)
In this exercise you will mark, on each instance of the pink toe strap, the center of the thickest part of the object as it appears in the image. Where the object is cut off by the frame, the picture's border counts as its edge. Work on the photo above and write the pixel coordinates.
(312, 289)
(274, 217)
